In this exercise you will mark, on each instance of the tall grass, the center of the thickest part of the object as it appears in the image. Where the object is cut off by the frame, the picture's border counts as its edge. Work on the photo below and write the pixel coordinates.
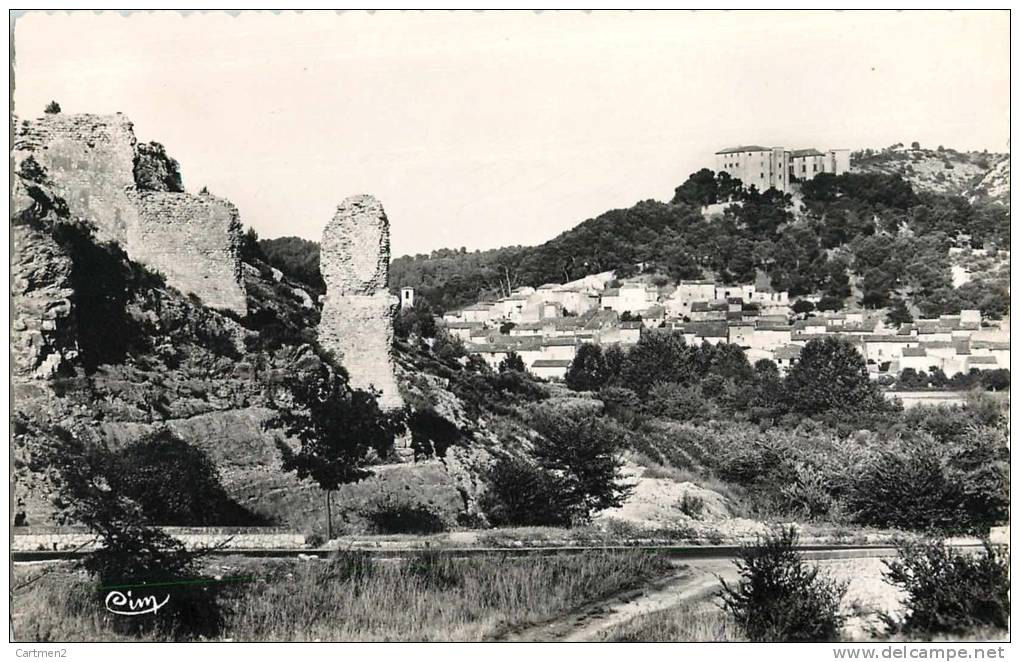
(427, 597)
(683, 623)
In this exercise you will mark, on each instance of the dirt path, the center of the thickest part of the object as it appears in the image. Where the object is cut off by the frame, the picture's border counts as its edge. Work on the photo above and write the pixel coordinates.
(689, 583)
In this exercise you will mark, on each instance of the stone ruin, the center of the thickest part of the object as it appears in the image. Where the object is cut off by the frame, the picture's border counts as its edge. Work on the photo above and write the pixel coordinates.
(357, 314)
(133, 195)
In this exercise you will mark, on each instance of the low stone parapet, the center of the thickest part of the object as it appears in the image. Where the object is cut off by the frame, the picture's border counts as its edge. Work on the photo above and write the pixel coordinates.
(65, 539)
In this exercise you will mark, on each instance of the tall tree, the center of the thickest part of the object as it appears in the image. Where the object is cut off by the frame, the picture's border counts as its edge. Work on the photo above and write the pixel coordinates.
(338, 427)
(831, 377)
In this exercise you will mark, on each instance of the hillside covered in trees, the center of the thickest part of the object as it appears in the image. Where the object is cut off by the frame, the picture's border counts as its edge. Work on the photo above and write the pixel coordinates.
(872, 236)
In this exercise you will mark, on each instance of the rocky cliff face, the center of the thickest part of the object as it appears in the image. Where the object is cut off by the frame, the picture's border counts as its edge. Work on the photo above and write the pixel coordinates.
(43, 333)
(105, 347)
(357, 316)
(133, 195)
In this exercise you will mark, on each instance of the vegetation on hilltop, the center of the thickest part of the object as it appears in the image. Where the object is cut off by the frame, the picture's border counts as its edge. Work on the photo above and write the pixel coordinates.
(975, 175)
(875, 229)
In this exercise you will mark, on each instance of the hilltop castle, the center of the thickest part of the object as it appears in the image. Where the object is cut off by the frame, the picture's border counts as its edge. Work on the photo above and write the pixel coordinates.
(776, 167)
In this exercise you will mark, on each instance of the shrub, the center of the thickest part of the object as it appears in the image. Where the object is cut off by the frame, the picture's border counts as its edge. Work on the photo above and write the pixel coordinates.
(513, 361)
(52, 108)
(584, 452)
(521, 493)
(350, 565)
(681, 403)
(921, 483)
(403, 517)
(692, 505)
(948, 591)
(780, 597)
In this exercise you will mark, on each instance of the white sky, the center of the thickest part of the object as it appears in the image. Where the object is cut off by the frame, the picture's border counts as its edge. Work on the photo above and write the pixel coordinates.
(483, 129)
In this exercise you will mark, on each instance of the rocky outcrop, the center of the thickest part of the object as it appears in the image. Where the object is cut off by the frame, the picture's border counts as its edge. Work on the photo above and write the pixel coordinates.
(132, 194)
(357, 315)
(155, 170)
(43, 338)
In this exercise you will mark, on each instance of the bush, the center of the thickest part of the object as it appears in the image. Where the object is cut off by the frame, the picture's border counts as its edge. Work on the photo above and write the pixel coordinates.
(52, 108)
(921, 483)
(584, 453)
(948, 591)
(350, 565)
(403, 517)
(780, 597)
(521, 493)
(513, 361)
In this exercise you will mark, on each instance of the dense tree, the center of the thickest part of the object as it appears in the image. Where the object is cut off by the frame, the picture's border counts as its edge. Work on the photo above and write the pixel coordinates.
(513, 361)
(296, 257)
(898, 313)
(585, 453)
(802, 307)
(588, 371)
(52, 108)
(657, 357)
(831, 377)
(418, 320)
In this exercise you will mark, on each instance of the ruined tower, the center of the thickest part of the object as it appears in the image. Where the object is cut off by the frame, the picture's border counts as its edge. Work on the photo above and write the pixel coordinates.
(357, 315)
(93, 162)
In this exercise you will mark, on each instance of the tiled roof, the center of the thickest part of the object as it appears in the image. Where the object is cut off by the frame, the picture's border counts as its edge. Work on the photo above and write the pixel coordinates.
(630, 325)
(765, 325)
(880, 338)
(744, 148)
(566, 341)
(551, 363)
(914, 351)
(787, 352)
(805, 152)
(982, 360)
(990, 344)
(708, 329)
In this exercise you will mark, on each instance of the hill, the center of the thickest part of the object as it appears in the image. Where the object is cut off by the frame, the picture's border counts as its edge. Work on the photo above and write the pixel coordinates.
(873, 232)
(974, 175)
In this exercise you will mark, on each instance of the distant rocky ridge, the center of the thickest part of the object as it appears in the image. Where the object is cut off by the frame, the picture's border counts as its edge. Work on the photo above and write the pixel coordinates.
(134, 196)
(974, 175)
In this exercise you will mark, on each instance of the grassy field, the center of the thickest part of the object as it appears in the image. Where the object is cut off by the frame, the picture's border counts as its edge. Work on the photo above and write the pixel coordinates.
(351, 598)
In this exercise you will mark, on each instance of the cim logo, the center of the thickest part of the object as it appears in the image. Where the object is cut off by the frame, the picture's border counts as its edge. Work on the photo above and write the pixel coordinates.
(125, 605)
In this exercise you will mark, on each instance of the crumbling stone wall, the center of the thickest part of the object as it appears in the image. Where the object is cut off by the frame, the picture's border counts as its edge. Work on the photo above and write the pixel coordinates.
(194, 238)
(357, 315)
(92, 161)
(89, 160)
